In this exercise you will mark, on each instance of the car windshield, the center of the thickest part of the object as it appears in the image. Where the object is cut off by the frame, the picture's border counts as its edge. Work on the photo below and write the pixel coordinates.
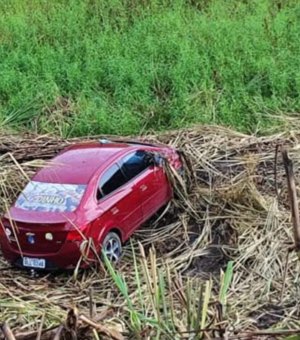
(50, 197)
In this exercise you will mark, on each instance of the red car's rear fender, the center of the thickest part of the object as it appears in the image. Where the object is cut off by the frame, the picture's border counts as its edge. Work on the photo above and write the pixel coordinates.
(98, 238)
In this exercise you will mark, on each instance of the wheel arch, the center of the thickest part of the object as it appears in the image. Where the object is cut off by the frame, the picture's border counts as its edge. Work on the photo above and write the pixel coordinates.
(108, 229)
(117, 231)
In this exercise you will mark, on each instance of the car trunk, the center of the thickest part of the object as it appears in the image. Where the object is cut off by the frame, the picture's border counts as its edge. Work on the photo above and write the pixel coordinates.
(32, 238)
(32, 233)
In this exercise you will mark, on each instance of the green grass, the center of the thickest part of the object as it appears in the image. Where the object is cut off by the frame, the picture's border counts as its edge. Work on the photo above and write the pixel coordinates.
(124, 67)
(153, 300)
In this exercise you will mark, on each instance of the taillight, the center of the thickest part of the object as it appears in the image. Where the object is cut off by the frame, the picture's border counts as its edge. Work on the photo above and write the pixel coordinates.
(5, 230)
(74, 235)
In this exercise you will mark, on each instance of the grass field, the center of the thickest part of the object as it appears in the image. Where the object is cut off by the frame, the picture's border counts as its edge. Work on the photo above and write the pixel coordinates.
(126, 67)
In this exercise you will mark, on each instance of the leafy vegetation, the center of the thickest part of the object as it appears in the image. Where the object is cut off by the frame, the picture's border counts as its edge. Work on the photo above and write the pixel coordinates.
(161, 289)
(124, 67)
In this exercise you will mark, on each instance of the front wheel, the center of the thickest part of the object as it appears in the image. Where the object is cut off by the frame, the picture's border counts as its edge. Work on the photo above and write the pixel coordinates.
(112, 247)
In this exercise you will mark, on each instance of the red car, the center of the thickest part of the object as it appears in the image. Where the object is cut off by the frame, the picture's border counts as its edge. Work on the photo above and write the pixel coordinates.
(100, 192)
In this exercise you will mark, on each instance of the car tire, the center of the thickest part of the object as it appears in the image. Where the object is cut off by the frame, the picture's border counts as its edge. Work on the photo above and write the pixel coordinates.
(112, 247)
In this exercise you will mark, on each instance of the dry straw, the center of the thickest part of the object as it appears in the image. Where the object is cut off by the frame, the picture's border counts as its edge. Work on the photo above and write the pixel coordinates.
(212, 265)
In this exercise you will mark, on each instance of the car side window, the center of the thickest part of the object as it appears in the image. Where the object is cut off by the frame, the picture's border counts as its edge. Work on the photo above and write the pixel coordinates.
(135, 163)
(112, 179)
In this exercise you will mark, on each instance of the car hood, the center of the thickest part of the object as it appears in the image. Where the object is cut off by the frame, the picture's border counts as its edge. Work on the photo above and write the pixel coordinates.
(27, 216)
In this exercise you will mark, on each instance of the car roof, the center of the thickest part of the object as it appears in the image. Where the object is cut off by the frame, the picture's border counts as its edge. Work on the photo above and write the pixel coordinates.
(78, 163)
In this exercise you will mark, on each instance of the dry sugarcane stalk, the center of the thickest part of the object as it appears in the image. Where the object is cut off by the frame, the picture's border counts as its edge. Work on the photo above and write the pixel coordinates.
(114, 334)
(8, 334)
(58, 333)
(91, 302)
(284, 275)
(272, 332)
(275, 170)
(288, 165)
(47, 333)
(69, 330)
(39, 333)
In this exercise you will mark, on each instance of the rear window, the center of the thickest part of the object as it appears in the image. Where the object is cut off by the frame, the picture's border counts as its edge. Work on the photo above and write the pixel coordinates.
(50, 197)
(111, 180)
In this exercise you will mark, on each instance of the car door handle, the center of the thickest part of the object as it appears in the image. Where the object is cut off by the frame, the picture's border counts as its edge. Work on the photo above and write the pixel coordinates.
(114, 210)
(143, 187)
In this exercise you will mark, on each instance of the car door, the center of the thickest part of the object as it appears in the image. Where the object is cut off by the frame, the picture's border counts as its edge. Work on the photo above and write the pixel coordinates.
(119, 199)
(149, 180)
(153, 190)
